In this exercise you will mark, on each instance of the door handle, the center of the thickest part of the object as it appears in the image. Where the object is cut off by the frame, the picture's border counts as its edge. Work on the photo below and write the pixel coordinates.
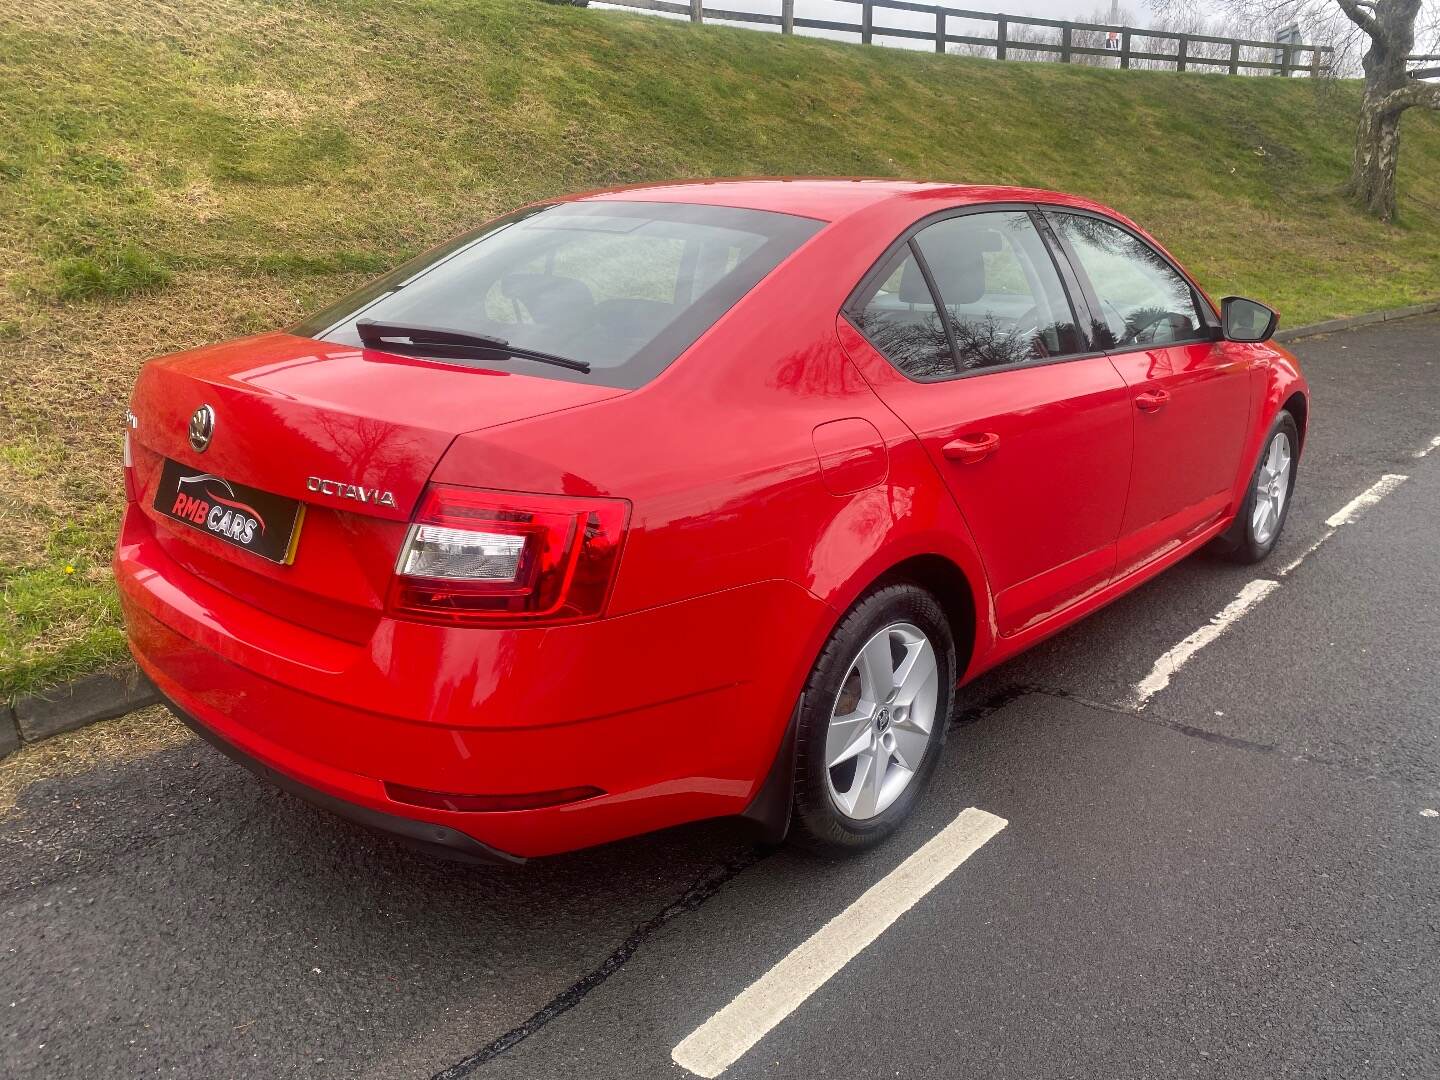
(1151, 400)
(968, 451)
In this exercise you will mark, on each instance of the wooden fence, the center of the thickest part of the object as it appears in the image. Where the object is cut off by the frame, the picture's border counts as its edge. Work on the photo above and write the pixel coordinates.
(1313, 59)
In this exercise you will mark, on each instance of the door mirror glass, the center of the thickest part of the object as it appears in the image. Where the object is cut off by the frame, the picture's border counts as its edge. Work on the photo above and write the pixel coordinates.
(1246, 320)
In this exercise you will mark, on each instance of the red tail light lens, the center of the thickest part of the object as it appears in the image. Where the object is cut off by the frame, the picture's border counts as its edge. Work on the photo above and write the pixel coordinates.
(476, 557)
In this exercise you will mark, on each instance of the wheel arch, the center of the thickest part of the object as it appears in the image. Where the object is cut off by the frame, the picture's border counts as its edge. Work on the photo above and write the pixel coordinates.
(947, 582)
(941, 576)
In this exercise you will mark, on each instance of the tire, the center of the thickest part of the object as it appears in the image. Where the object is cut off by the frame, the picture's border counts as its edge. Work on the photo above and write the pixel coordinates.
(838, 807)
(1251, 537)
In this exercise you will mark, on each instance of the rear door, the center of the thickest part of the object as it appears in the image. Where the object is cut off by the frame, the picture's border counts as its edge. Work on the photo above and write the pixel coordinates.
(1029, 427)
(1191, 396)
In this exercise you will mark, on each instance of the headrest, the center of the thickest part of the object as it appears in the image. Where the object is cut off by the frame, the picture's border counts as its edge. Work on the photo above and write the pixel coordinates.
(546, 297)
(959, 273)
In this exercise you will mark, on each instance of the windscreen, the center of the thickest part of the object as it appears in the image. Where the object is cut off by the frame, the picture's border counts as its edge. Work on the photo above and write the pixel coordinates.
(624, 287)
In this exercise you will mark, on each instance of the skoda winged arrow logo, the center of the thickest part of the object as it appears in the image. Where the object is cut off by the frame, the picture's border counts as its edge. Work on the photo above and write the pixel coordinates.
(202, 427)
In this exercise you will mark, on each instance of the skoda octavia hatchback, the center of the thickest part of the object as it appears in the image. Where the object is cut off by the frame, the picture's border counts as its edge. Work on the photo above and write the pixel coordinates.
(662, 504)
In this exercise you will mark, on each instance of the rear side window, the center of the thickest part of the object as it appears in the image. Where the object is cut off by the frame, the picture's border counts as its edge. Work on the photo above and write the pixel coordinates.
(624, 286)
(1144, 301)
(1001, 301)
(1001, 291)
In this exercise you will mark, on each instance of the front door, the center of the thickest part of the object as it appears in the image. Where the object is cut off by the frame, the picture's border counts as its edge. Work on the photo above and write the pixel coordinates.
(1031, 435)
(1191, 397)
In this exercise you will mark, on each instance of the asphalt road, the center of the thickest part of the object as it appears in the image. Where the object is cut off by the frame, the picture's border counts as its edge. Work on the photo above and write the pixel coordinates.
(1238, 880)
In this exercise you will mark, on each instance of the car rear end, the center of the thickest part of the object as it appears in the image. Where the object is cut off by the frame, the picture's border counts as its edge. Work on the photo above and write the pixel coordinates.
(437, 659)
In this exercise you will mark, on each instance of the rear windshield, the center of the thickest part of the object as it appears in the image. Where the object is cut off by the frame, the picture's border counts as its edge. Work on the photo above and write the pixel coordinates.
(625, 287)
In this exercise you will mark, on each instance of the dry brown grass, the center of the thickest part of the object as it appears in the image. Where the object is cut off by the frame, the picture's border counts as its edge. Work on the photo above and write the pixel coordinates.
(140, 733)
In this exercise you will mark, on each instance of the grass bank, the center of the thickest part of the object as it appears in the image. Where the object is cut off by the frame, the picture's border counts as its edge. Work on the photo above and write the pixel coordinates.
(176, 173)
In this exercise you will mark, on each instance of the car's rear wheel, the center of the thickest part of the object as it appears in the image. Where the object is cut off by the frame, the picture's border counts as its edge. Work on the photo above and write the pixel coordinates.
(873, 719)
(1257, 525)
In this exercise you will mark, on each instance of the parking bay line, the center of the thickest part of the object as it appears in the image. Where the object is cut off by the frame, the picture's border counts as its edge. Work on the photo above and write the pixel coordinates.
(1366, 499)
(1176, 657)
(720, 1041)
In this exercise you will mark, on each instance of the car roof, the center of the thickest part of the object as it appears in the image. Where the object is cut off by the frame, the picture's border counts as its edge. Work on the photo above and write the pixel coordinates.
(832, 198)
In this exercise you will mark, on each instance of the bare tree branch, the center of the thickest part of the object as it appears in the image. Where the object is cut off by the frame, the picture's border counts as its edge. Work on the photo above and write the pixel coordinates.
(1425, 95)
(1362, 18)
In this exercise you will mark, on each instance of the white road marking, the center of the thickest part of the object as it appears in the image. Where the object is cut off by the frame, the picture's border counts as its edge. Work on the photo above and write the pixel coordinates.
(1435, 442)
(720, 1041)
(1366, 499)
(1175, 658)
(1293, 563)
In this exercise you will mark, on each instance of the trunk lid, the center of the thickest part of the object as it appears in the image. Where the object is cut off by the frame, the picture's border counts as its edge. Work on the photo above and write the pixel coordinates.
(352, 433)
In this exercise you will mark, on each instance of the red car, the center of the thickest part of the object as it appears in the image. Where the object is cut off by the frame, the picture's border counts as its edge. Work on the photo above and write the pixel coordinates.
(675, 502)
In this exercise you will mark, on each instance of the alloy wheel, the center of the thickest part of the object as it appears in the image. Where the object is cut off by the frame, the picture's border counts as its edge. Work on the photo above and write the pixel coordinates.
(1272, 487)
(882, 722)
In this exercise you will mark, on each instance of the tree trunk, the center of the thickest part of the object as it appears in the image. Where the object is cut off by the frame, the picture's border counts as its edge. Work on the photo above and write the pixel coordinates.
(1372, 170)
(1377, 138)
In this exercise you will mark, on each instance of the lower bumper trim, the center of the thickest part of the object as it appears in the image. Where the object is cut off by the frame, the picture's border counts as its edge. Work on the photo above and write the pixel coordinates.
(438, 840)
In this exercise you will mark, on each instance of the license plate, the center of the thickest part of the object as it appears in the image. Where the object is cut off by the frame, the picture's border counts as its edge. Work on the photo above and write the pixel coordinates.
(244, 517)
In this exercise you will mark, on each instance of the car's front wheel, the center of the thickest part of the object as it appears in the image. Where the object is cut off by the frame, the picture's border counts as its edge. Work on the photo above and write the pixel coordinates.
(873, 719)
(1257, 526)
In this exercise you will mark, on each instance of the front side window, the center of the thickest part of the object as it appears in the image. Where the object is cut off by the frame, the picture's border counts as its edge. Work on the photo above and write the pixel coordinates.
(1144, 301)
(1002, 294)
(625, 287)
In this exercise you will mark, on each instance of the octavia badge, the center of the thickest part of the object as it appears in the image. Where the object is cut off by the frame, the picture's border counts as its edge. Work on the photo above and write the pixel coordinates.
(202, 427)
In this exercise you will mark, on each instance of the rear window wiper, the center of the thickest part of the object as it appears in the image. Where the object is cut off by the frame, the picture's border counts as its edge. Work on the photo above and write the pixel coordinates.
(439, 341)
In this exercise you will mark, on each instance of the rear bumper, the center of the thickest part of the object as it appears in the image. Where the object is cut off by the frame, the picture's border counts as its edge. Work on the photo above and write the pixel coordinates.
(423, 835)
(675, 713)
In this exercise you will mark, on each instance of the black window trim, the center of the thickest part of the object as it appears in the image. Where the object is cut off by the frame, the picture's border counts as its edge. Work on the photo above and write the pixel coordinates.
(1032, 210)
(1210, 321)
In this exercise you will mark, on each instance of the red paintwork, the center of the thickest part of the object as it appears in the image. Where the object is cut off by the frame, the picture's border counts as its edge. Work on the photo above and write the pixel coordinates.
(771, 477)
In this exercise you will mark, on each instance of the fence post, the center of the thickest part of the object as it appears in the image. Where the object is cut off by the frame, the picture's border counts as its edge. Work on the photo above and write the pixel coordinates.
(1125, 48)
(867, 22)
(939, 30)
(1285, 62)
(787, 16)
(695, 12)
(1182, 52)
(1002, 33)
(1315, 63)
(1234, 58)
(1065, 44)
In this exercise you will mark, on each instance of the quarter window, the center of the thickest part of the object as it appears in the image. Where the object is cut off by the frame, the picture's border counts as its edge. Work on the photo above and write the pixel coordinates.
(901, 320)
(1143, 299)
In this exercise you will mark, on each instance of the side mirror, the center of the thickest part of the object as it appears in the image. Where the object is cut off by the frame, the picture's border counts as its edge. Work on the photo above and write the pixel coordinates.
(1246, 320)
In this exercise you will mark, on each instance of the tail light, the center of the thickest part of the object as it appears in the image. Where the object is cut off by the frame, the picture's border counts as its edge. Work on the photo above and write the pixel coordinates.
(476, 557)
